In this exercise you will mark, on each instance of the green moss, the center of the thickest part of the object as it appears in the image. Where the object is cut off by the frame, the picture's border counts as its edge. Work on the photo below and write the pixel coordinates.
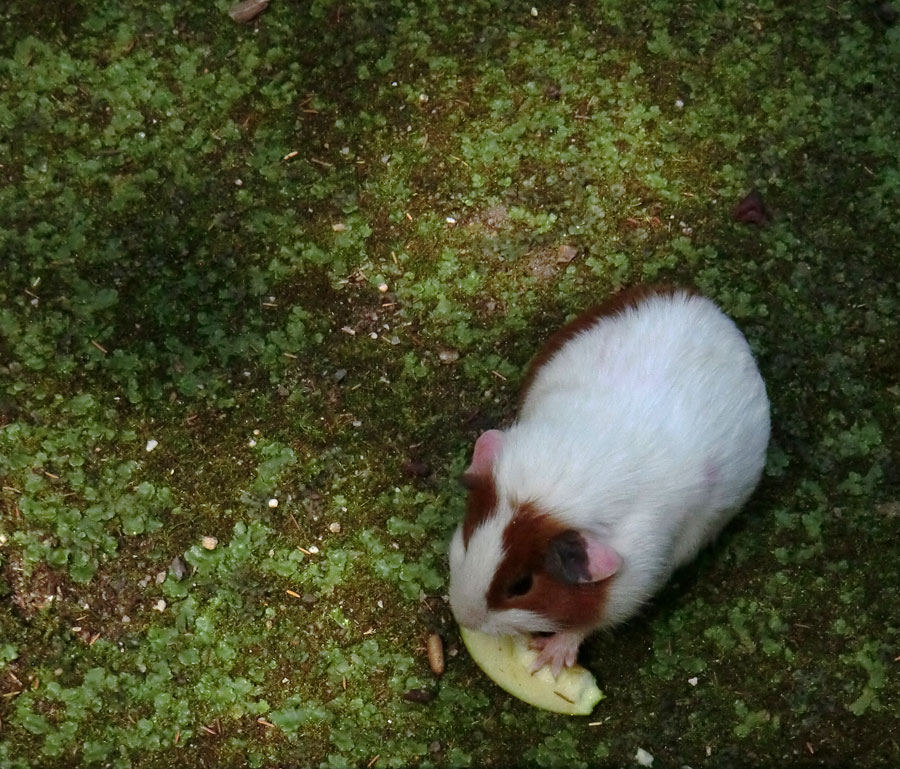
(303, 253)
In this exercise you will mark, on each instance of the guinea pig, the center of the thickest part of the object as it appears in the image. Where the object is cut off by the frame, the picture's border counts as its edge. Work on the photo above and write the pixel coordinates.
(642, 429)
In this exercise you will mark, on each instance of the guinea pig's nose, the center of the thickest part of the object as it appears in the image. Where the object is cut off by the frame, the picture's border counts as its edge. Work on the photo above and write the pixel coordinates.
(468, 614)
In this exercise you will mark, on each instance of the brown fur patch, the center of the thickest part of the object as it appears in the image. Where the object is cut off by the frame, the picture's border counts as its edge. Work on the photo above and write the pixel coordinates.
(617, 303)
(481, 504)
(525, 542)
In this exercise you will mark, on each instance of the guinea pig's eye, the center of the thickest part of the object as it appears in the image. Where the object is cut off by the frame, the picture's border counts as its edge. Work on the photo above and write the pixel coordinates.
(519, 586)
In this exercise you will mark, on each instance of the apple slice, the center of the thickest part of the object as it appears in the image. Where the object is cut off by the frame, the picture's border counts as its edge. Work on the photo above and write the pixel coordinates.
(507, 662)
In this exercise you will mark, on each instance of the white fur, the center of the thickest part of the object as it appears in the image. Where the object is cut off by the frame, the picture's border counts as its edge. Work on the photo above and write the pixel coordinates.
(648, 430)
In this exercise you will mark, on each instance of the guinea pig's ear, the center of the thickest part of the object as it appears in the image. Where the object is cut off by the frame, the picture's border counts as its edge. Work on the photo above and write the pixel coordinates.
(487, 447)
(575, 557)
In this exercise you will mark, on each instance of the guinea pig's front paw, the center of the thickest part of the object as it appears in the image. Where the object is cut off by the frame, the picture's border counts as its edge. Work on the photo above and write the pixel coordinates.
(557, 650)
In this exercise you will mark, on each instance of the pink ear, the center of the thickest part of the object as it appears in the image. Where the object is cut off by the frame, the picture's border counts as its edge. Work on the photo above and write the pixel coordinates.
(602, 560)
(486, 449)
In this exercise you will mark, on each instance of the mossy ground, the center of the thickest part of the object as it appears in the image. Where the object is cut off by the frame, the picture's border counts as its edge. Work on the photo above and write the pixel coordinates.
(310, 256)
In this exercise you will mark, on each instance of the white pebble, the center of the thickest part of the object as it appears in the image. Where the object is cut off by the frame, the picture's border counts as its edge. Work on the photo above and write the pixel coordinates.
(152, 444)
(209, 543)
(693, 681)
(273, 502)
(313, 549)
(334, 528)
(160, 605)
(451, 220)
(643, 757)
(382, 287)
(534, 11)
(679, 103)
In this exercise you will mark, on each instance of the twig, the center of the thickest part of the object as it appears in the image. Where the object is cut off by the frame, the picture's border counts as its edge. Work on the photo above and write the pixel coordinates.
(295, 522)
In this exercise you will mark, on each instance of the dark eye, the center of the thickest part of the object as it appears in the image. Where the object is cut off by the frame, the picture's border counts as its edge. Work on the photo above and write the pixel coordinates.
(519, 586)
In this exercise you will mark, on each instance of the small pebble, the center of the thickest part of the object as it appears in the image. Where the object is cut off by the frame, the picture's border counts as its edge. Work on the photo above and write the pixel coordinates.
(339, 375)
(247, 10)
(160, 605)
(383, 287)
(273, 502)
(643, 757)
(693, 681)
(448, 356)
(566, 253)
(334, 528)
(152, 444)
(178, 568)
(160, 577)
(209, 543)
(313, 549)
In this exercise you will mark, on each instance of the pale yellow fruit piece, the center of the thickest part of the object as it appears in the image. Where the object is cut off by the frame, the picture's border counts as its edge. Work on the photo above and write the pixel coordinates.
(507, 662)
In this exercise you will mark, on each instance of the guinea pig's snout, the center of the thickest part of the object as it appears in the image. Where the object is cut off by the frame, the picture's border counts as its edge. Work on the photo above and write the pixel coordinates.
(468, 611)
(468, 615)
